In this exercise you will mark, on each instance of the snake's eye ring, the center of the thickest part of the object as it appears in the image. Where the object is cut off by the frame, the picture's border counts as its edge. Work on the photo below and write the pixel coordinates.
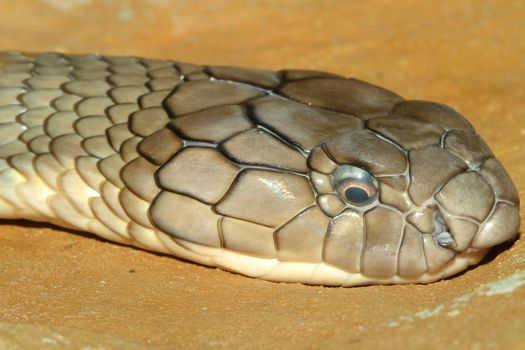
(355, 185)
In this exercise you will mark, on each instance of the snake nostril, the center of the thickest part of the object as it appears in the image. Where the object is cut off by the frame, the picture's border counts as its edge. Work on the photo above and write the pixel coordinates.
(444, 239)
(441, 232)
(430, 220)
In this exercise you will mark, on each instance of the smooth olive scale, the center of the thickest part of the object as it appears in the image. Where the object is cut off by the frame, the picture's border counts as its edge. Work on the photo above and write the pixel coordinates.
(234, 167)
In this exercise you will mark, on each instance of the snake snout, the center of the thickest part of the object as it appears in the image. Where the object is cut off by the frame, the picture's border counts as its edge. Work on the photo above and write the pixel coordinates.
(429, 209)
(479, 207)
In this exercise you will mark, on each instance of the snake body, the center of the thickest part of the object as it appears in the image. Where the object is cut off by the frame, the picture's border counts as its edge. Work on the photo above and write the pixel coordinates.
(294, 175)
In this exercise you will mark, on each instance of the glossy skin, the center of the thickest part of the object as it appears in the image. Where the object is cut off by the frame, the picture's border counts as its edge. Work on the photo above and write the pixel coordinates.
(288, 176)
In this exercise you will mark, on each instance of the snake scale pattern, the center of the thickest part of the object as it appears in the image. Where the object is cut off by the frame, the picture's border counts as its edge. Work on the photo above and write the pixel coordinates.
(295, 175)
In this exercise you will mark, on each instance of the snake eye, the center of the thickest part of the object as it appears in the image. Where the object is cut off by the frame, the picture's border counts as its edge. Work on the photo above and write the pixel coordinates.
(357, 186)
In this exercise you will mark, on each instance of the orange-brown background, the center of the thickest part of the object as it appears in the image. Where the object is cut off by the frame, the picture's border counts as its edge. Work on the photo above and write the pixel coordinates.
(65, 290)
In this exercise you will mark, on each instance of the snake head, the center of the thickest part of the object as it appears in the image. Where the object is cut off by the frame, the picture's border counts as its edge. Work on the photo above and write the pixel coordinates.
(326, 180)
(414, 195)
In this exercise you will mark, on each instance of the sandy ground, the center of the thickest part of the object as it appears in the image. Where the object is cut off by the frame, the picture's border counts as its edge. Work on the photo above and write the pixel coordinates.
(63, 290)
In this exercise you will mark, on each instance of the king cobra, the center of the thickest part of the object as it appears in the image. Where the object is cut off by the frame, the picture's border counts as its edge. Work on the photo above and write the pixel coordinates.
(295, 175)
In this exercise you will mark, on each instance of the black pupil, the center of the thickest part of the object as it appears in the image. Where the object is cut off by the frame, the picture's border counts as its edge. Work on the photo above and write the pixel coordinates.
(356, 195)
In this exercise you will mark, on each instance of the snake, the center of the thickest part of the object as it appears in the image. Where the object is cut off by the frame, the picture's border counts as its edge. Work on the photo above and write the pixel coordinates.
(288, 176)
